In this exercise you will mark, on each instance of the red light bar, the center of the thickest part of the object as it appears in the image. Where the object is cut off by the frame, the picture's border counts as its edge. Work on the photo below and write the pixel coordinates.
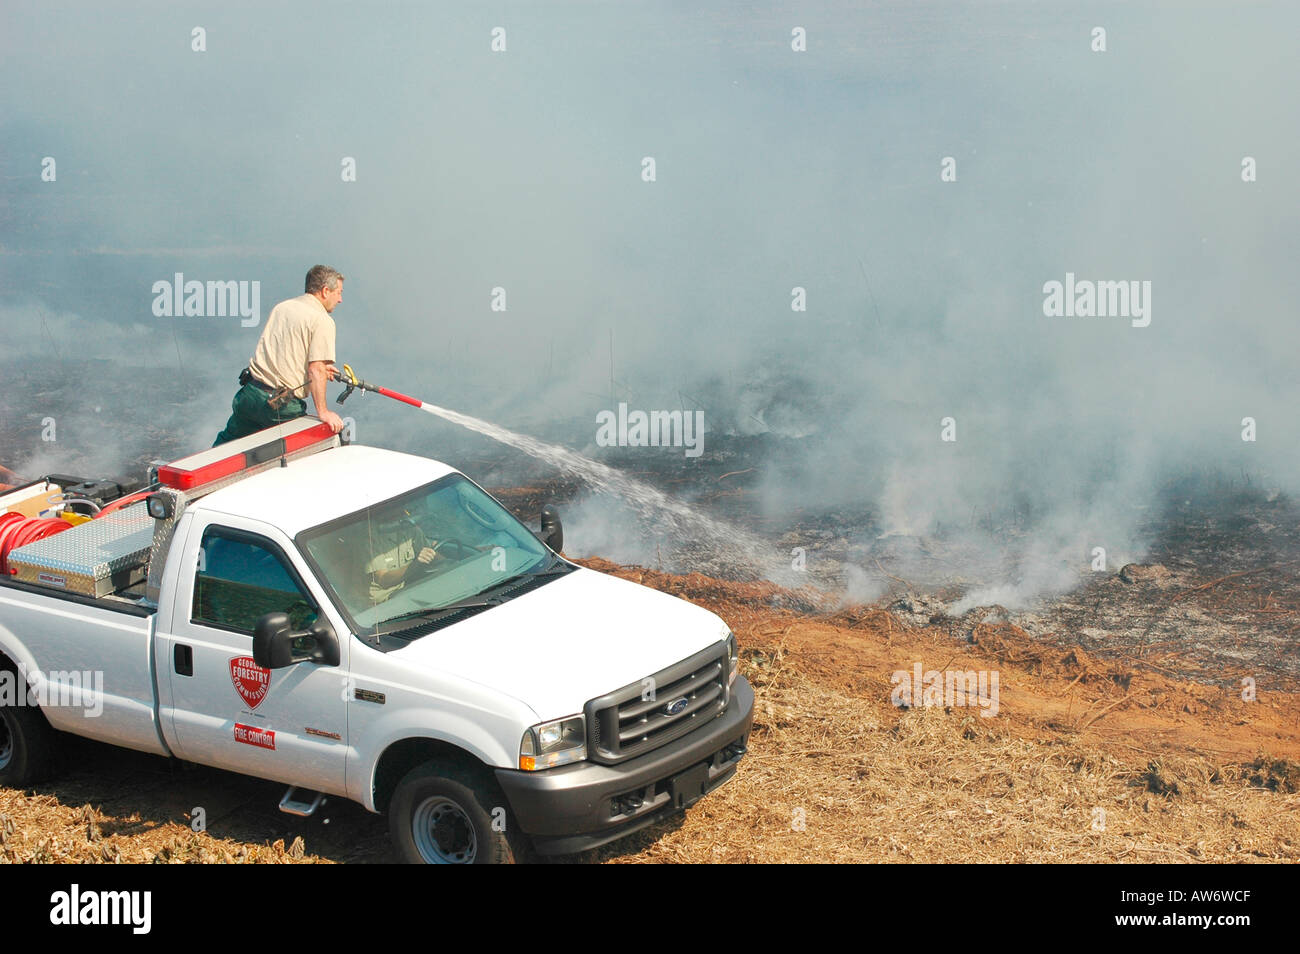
(230, 458)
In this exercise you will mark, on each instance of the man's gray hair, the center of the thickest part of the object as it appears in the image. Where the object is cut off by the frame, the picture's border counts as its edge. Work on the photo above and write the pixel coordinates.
(322, 277)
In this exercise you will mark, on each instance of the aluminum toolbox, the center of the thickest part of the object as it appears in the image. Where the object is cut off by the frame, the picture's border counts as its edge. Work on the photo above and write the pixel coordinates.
(95, 558)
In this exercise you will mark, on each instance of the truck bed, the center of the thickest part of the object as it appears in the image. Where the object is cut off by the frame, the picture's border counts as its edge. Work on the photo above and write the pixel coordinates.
(68, 643)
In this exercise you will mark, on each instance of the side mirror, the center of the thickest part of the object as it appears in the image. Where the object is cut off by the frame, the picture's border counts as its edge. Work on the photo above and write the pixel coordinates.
(276, 646)
(552, 533)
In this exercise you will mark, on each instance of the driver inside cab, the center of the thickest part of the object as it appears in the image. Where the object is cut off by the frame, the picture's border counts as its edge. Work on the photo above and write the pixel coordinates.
(399, 550)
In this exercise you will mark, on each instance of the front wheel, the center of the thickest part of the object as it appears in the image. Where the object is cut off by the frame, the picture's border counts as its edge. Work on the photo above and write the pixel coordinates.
(443, 813)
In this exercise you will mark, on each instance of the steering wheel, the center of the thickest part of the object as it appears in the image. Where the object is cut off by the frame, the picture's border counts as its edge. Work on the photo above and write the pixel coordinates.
(463, 551)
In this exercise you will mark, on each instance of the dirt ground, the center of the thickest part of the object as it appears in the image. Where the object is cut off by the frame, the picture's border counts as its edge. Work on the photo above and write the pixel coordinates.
(1088, 759)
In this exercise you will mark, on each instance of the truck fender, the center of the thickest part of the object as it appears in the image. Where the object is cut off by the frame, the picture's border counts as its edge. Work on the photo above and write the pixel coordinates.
(450, 732)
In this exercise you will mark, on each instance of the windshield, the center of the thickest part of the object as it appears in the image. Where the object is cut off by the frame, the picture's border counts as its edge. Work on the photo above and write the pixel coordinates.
(444, 543)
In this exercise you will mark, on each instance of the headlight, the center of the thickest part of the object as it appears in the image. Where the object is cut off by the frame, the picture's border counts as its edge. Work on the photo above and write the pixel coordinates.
(733, 661)
(553, 743)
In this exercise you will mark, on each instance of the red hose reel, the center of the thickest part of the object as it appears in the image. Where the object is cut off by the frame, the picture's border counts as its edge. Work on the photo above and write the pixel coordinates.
(17, 531)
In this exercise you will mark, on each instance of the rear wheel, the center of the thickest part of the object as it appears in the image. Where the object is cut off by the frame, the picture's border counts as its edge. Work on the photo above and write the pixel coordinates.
(26, 743)
(444, 813)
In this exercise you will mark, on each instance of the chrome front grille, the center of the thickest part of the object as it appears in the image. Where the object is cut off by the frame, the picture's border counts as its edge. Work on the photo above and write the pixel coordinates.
(645, 715)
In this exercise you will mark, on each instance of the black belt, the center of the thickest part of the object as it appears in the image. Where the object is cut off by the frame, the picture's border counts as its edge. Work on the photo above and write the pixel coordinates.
(246, 377)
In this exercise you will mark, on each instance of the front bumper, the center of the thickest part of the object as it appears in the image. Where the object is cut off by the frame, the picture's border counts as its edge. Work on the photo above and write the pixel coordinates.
(581, 806)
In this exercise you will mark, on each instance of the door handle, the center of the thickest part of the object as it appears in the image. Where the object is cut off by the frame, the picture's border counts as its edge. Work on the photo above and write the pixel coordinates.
(183, 658)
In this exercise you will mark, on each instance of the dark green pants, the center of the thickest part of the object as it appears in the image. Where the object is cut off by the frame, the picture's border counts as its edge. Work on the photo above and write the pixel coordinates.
(250, 412)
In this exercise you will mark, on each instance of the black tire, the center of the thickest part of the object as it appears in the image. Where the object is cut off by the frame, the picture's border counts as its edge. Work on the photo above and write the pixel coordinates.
(445, 813)
(27, 746)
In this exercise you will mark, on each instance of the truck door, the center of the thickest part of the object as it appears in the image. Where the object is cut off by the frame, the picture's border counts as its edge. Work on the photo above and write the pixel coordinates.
(287, 724)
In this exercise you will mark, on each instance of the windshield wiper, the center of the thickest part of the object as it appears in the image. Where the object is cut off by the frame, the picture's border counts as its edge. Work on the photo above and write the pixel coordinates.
(436, 612)
(556, 567)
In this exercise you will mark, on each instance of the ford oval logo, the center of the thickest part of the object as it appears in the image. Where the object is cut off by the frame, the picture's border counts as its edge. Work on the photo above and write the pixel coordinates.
(676, 706)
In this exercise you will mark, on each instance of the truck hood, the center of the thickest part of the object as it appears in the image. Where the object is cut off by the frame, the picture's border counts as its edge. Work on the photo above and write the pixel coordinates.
(573, 639)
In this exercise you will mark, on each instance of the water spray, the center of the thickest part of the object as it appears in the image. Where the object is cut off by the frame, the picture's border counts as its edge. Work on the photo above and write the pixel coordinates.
(743, 550)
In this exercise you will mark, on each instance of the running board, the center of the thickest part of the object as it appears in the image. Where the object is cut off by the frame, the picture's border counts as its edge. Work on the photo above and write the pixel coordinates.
(301, 802)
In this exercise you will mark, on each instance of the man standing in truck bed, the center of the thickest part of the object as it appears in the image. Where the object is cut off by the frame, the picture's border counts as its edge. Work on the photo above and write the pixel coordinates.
(294, 357)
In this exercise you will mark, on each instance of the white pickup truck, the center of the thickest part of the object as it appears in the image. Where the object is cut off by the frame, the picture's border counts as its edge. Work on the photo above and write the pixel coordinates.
(355, 622)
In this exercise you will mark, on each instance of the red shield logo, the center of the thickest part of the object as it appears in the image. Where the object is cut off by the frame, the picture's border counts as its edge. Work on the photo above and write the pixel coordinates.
(252, 682)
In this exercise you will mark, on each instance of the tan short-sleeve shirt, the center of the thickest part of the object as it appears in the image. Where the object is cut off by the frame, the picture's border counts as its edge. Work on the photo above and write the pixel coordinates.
(297, 332)
(394, 548)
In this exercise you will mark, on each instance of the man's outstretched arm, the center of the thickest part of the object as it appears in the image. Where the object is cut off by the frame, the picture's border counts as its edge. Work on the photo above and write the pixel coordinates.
(319, 374)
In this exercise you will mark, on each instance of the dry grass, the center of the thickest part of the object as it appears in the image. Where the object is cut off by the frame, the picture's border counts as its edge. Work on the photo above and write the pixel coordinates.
(832, 778)
(1089, 761)
(40, 829)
